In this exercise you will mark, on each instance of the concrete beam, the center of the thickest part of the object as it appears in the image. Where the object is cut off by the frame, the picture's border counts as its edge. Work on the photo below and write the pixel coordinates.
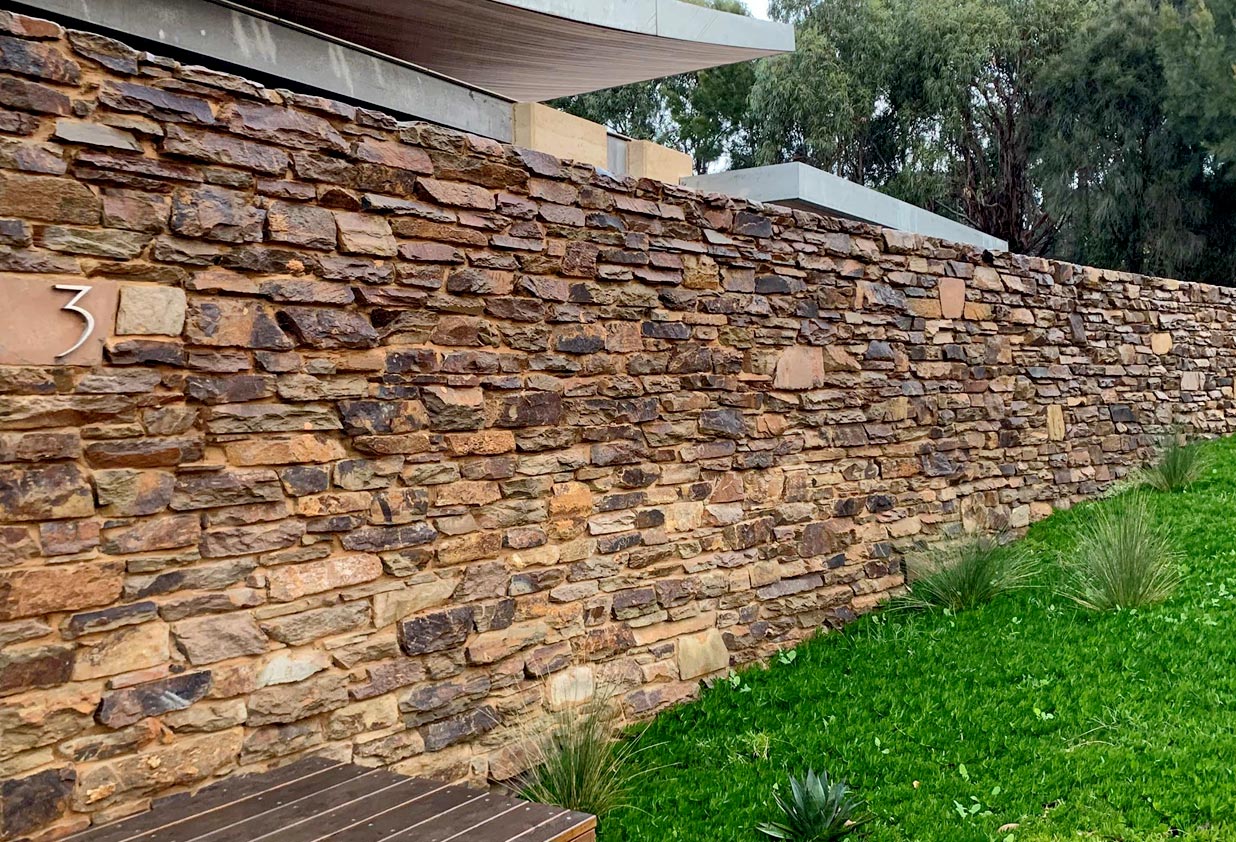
(285, 55)
(800, 186)
(534, 50)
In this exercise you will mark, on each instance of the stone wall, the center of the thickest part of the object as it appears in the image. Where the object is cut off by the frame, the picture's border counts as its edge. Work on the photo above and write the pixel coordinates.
(402, 436)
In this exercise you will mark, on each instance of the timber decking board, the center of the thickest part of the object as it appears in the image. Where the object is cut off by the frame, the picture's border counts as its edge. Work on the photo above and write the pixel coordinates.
(318, 800)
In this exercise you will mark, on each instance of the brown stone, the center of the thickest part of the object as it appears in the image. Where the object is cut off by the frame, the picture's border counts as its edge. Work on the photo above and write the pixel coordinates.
(300, 225)
(151, 310)
(48, 198)
(363, 234)
(179, 763)
(156, 102)
(29, 592)
(283, 126)
(234, 323)
(224, 149)
(321, 327)
(284, 450)
(148, 535)
(31, 802)
(307, 626)
(293, 581)
(456, 194)
(29, 667)
(292, 702)
(209, 639)
(952, 293)
(126, 650)
(215, 213)
(436, 631)
(30, 96)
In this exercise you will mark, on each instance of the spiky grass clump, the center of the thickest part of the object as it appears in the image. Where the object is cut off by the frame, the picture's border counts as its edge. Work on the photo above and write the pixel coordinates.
(1123, 558)
(1179, 464)
(969, 571)
(816, 811)
(578, 763)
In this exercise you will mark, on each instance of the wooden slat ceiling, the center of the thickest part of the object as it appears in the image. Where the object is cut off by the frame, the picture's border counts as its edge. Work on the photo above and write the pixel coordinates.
(523, 55)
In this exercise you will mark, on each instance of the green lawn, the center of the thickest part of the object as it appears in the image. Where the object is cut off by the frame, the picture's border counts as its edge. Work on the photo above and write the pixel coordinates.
(1029, 710)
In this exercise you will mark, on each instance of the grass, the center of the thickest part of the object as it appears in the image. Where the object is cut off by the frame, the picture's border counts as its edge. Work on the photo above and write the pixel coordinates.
(577, 763)
(1028, 711)
(1124, 558)
(968, 571)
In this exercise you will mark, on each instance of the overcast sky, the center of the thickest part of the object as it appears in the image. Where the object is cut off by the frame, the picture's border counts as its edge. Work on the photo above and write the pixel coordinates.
(759, 8)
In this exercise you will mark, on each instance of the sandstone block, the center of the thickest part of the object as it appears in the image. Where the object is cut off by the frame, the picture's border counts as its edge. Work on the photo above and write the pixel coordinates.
(90, 133)
(457, 194)
(1160, 343)
(283, 450)
(300, 225)
(290, 667)
(391, 606)
(307, 626)
(208, 639)
(157, 103)
(126, 650)
(952, 292)
(1055, 422)
(48, 198)
(182, 762)
(362, 234)
(570, 687)
(292, 581)
(224, 149)
(292, 702)
(701, 654)
(151, 310)
(493, 646)
(29, 592)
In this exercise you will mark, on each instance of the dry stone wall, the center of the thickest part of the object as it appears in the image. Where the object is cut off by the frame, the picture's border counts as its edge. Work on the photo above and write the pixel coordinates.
(402, 436)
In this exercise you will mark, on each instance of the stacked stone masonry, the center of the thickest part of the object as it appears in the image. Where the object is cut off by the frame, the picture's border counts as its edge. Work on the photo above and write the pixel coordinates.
(404, 436)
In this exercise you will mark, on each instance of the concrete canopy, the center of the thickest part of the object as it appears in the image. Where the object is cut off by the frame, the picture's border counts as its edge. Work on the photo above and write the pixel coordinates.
(796, 185)
(534, 50)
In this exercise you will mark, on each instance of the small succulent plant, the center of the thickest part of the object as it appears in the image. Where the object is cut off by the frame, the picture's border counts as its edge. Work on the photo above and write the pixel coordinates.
(817, 810)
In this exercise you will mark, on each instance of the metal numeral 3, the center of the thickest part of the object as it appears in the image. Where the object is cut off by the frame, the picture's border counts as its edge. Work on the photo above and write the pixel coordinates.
(73, 308)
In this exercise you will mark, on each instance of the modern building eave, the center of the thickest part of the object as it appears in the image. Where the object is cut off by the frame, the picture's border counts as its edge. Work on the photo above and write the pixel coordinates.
(535, 50)
(285, 55)
(800, 186)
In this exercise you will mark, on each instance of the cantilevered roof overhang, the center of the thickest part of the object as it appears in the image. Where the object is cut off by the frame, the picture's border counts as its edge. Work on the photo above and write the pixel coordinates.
(797, 185)
(534, 50)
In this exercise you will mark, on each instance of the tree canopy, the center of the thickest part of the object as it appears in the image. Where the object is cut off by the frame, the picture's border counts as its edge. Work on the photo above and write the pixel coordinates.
(1099, 131)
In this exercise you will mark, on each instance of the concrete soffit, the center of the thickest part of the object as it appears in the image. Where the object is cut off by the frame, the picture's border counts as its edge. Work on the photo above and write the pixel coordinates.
(283, 54)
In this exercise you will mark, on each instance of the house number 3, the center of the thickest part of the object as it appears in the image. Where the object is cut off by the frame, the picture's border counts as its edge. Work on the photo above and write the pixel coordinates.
(73, 307)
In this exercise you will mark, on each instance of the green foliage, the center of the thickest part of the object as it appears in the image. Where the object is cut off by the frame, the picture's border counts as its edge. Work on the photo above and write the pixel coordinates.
(1179, 464)
(817, 810)
(1073, 725)
(1096, 131)
(578, 764)
(966, 572)
(700, 113)
(1123, 558)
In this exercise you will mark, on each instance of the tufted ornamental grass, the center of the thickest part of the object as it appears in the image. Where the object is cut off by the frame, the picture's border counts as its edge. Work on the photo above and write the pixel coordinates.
(1124, 558)
(578, 763)
(967, 572)
(1179, 464)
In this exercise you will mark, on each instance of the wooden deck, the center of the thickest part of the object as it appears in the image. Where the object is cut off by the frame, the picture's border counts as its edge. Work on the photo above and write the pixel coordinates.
(315, 800)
